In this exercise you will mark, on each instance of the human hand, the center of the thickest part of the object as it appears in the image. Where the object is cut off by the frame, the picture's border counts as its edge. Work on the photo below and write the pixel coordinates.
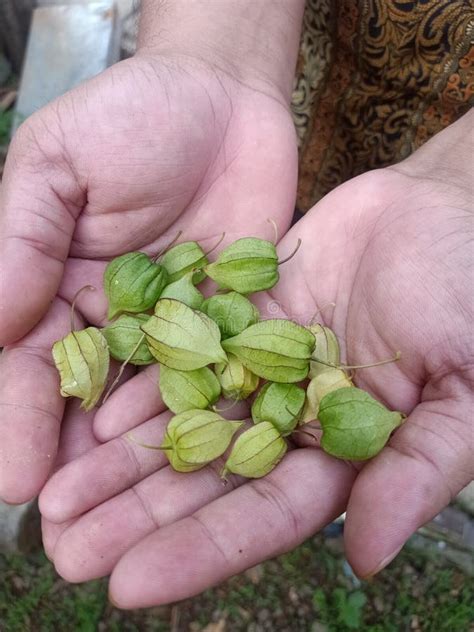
(153, 146)
(391, 250)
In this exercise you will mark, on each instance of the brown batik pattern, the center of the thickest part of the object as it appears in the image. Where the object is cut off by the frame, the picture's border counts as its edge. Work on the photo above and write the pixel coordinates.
(376, 79)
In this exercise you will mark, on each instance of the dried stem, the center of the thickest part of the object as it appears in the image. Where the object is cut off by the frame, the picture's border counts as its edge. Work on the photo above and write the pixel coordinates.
(122, 369)
(346, 367)
(215, 245)
(73, 304)
(146, 445)
(292, 254)
(223, 410)
(161, 252)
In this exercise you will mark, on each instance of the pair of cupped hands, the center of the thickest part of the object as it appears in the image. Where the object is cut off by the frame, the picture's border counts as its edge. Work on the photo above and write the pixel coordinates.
(155, 146)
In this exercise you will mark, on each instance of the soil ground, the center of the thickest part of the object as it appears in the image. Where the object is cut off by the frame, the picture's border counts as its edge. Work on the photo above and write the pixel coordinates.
(311, 589)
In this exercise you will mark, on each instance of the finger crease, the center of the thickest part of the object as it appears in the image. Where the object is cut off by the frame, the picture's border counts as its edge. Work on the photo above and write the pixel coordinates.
(210, 537)
(276, 498)
(33, 408)
(144, 504)
(132, 457)
(46, 250)
(39, 353)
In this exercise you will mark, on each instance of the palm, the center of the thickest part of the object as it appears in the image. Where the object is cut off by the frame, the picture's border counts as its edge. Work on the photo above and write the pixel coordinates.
(125, 162)
(396, 266)
(177, 150)
(387, 263)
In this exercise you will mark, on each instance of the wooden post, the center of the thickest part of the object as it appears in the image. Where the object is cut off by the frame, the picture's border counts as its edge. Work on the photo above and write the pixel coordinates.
(15, 18)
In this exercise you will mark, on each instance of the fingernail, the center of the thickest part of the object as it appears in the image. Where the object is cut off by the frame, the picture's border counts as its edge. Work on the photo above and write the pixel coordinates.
(48, 555)
(112, 601)
(385, 562)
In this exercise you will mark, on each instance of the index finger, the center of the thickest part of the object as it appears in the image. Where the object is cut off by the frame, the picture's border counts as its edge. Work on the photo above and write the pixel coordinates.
(40, 202)
(31, 408)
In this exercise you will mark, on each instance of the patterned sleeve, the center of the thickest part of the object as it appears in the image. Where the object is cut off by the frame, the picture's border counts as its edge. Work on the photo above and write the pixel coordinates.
(375, 80)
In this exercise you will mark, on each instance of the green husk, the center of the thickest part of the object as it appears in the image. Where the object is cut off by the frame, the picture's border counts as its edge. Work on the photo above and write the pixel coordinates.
(232, 313)
(280, 404)
(236, 380)
(123, 335)
(355, 425)
(247, 265)
(256, 452)
(182, 259)
(183, 290)
(133, 283)
(197, 437)
(182, 338)
(277, 350)
(82, 360)
(188, 390)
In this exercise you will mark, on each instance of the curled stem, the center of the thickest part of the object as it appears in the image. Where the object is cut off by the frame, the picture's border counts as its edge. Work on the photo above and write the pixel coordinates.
(346, 367)
(161, 252)
(73, 304)
(298, 244)
(215, 245)
(122, 369)
(223, 410)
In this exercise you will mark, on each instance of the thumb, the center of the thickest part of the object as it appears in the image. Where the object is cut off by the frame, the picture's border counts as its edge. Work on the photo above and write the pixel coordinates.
(428, 461)
(40, 201)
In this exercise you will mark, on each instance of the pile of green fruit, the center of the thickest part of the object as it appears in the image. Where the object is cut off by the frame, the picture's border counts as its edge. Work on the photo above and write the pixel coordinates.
(216, 347)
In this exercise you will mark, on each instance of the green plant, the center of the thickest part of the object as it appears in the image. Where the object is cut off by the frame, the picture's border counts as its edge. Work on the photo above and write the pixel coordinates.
(350, 607)
(342, 610)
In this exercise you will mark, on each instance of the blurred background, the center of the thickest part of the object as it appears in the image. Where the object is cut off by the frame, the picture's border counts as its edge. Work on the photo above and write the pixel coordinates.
(47, 47)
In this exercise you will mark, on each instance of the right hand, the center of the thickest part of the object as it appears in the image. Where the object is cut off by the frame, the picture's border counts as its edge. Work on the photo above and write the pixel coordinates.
(154, 145)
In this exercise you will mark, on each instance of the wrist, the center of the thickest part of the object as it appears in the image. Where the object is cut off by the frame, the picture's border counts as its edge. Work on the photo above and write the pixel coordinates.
(256, 43)
(447, 157)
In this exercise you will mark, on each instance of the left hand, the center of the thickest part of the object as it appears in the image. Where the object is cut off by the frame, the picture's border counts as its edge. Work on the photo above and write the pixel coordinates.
(100, 172)
(392, 250)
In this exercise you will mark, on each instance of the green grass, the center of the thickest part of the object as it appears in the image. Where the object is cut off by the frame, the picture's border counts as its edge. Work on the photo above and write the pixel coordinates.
(28, 601)
(305, 588)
